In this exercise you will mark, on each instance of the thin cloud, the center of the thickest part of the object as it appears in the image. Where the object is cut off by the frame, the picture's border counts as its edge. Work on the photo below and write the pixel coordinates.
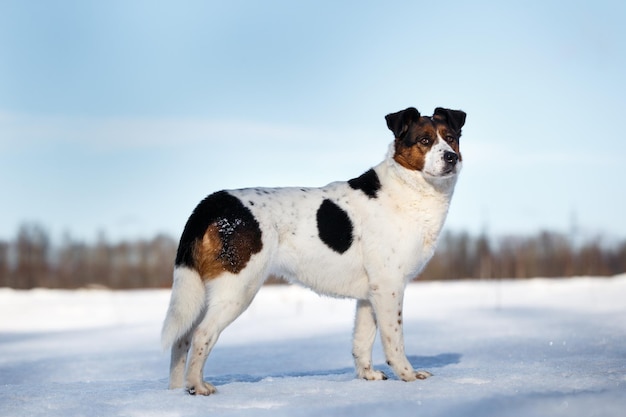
(18, 131)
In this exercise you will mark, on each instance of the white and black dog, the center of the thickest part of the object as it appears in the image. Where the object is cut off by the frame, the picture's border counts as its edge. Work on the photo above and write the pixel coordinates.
(364, 239)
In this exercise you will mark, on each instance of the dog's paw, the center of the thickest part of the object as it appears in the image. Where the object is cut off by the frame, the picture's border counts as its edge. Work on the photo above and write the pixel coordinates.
(202, 389)
(372, 375)
(414, 375)
(422, 374)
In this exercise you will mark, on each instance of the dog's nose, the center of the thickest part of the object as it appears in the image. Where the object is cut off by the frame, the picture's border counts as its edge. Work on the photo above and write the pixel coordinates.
(450, 157)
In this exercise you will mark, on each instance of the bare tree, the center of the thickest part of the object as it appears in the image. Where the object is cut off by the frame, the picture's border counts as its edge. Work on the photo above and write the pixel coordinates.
(32, 256)
(5, 278)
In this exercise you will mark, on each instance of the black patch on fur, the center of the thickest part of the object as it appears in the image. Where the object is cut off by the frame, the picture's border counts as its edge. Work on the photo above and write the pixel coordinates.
(368, 183)
(334, 226)
(230, 214)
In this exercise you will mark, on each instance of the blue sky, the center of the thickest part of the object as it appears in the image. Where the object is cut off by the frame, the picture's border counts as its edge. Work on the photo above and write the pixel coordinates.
(119, 116)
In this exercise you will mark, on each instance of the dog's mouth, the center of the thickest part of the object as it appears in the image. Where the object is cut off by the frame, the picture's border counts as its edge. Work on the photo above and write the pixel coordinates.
(447, 172)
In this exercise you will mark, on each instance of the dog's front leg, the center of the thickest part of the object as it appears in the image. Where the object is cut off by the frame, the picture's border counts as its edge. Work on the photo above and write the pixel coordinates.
(387, 305)
(364, 335)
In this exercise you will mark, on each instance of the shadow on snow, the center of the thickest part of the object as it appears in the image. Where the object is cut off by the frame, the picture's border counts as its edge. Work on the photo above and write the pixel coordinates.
(418, 362)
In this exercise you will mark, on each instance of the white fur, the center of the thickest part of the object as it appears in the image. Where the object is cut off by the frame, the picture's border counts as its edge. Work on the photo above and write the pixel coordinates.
(394, 235)
(187, 302)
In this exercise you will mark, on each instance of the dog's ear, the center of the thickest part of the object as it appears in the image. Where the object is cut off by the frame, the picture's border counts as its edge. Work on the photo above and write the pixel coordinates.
(399, 122)
(454, 118)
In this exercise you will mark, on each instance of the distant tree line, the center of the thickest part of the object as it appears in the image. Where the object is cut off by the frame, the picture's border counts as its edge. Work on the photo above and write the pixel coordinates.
(546, 254)
(31, 260)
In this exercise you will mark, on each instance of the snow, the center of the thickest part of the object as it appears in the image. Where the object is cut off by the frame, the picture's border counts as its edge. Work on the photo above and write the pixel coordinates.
(500, 348)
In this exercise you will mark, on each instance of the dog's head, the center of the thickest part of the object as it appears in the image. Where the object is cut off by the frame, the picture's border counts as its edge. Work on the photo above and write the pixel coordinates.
(428, 144)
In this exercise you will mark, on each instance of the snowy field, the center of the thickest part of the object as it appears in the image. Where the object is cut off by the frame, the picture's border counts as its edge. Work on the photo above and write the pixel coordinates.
(509, 348)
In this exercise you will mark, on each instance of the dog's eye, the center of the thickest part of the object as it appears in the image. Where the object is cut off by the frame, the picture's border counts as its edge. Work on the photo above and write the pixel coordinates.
(425, 141)
(449, 138)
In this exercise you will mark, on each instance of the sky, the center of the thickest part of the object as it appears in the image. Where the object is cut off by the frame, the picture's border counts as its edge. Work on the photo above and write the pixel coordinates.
(118, 117)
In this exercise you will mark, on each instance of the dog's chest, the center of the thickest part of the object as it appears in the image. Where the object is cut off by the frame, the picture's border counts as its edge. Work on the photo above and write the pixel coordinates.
(404, 234)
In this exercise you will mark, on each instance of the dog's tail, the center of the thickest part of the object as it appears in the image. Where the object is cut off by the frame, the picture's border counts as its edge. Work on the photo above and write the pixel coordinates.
(187, 302)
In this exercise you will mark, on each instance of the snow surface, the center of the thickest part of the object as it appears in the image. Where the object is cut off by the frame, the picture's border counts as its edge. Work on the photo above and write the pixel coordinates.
(503, 348)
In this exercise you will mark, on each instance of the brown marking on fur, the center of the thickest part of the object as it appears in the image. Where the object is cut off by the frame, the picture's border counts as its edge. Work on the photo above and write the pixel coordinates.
(411, 157)
(411, 148)
(229, 251)
(207, 253)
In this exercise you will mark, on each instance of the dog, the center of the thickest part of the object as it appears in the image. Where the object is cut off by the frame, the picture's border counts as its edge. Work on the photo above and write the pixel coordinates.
(365, 238)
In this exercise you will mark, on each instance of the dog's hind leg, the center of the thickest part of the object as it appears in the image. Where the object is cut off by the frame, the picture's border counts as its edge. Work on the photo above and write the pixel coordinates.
(363, 340)
(178, 361)
(185, 310)
(228, 297)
